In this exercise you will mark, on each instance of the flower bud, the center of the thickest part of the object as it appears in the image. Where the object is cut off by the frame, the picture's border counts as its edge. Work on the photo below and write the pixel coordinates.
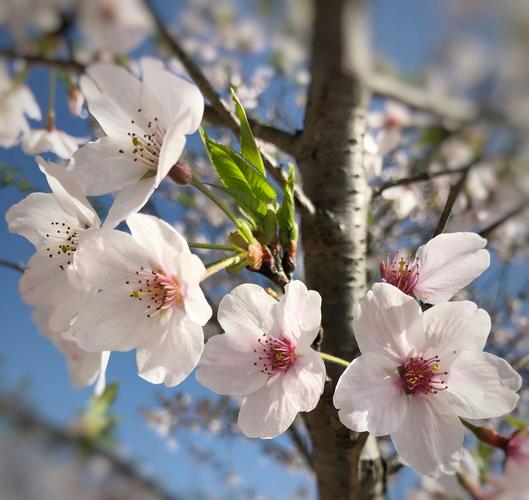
(181, 173)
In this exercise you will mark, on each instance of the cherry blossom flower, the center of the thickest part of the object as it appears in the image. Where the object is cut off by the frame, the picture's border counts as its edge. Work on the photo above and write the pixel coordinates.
(441, 267)
(145, 124)
(42, 140)
(114, 25)
(418, 373)
(54, 223)
(149, 299)
(404, 199)
(265, 356)
(85, 368)
(17, 103)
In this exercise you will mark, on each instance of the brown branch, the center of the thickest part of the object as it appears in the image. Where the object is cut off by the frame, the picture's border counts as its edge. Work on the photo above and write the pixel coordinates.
(300, 444)
(38, 60)
(449, 108)
(455, 190)
(485, 232)
(12, 265)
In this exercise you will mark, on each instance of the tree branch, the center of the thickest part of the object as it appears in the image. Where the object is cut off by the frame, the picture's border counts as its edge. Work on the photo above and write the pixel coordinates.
(12, 265)
(300, 443)
(485, 232)
(449, 108)
(455, 190)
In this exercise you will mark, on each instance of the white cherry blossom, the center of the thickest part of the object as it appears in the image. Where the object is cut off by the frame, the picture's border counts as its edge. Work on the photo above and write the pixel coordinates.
(149, 298)
(17, 104)
(43, 140)
(116, 26)
(265, 356)
(85, 368)
(441, 267)
(54, 223)
(419, 373)
(145, 122)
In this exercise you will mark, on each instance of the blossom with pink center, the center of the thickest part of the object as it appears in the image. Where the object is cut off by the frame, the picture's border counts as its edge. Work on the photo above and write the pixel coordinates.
(149, 298)
(419, 373)
(440, 269)
(145, 121)
(265, 356)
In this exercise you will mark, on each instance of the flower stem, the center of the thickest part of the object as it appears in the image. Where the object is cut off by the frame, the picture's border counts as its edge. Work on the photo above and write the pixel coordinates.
(219, 265)
(486, 434)
(334, 359)
(212, 246)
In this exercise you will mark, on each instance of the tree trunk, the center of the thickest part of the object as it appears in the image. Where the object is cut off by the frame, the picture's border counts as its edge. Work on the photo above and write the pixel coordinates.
(334, 239)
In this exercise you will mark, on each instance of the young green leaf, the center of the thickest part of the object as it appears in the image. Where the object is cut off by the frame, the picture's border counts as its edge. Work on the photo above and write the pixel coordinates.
(249, 149)
(286, 215)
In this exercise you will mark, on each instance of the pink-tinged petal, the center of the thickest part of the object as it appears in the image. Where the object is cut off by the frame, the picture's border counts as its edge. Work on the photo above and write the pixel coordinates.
(305, 380)
(369, 395)
(111, 321)
(100, 168)
(32, 217)
(453, 327)
(269, 411)
(389, 322)
(68, 193)
(171, 150)
(448, 263)
(227, 365)
(299, 311)
(157, 237)
(129, 201)
(247, 309)
(113, 96)
(482, 385)
(170, 356)
(64, 311)
(196, 306)
(430, 437)
(101, 381)
(175, 93)
(107, 258)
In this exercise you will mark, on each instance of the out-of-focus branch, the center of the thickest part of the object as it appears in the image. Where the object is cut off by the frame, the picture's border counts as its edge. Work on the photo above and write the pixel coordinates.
(300, 444)
(66, 64)
(485, 232)
(455, 190)
(420, 98)
(226, 117)
(23, 418)
(12, 265)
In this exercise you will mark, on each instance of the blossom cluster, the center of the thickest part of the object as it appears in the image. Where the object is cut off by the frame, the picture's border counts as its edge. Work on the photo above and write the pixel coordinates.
(98, 289)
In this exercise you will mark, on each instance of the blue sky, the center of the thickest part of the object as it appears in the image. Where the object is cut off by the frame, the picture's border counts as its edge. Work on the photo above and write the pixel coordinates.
(405, 31)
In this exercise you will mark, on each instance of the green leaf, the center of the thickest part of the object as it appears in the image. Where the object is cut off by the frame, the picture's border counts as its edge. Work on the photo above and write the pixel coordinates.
(97, 421)
(286, 215)
(249, 149)
(515, 422)
(269, 227)
(247, 186)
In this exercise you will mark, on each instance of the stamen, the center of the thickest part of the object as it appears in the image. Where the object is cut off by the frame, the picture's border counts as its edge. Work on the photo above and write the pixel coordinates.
(401, 273)
(423, 376)
(274, 355)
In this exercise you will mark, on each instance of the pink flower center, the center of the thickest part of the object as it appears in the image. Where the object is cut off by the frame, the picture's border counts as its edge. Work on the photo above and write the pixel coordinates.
(274, 354)
(423, 376)
(402, 273)
(160, 291)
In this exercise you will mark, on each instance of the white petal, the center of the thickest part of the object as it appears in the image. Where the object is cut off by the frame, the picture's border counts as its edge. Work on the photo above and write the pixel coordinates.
(482, 386)
(32, 217)
(100, 168)
(112, 321)
(453, 327)
(389, 322)
(175, 93)
(268, 412)
(369, 395)
(196, 306)
(306, 380)
(68, 193)
(300, 313)
(170, 357)
(248, 309)
(113, 96)
(157, 237)
(101, 381)
(430, 438)
(448, 263)
(129, 201)
(227, 365)
(108, 258)
(172, 147)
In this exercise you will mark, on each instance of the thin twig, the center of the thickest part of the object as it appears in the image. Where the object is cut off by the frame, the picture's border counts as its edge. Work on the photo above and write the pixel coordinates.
(12, 265)
(301, 444)
(485, 232)
(450, 201)
(67, 64)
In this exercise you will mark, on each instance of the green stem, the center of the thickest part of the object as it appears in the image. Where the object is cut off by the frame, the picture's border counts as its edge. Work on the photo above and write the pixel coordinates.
(219, 265)
(334, 359)
(215, 199)
(212, 246)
